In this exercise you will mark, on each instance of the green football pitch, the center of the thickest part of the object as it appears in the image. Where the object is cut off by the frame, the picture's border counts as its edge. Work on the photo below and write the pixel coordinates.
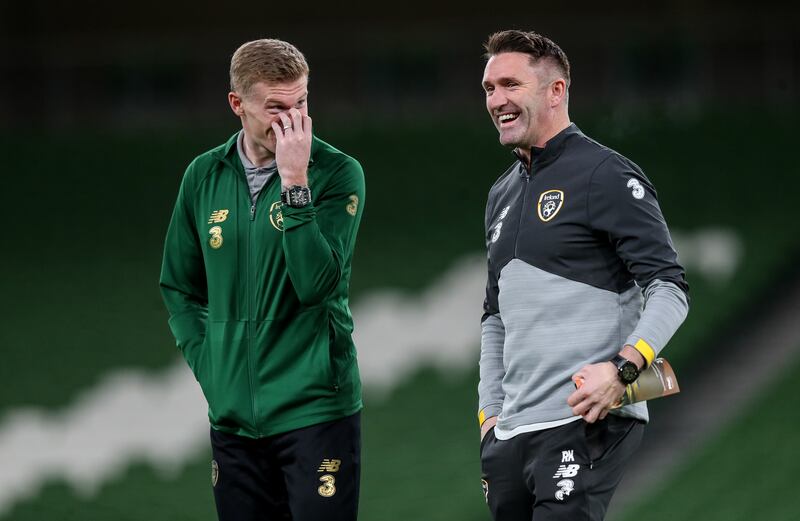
(82, 298)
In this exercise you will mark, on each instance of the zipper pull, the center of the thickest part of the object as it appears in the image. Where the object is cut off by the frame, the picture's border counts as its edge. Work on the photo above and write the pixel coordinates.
(252, 211)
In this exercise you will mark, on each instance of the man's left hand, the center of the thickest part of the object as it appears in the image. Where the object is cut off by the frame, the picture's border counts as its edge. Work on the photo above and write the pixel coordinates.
(293, 147)
(599, 388)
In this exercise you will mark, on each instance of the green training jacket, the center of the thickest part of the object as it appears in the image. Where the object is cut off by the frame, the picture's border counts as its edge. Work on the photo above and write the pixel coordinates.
(258, 294)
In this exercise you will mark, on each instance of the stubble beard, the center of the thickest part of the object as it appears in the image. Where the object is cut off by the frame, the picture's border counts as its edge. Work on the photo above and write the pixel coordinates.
(512, 138)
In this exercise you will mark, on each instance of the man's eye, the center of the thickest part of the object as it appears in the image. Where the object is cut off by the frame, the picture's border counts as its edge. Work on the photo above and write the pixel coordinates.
(301, 103)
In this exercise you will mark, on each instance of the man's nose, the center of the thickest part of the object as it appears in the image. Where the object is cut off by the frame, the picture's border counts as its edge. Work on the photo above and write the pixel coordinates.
(496, 100)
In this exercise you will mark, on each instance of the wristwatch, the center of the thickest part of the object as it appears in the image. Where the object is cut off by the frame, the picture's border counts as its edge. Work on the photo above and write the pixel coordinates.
(626, 370)
(296, 196)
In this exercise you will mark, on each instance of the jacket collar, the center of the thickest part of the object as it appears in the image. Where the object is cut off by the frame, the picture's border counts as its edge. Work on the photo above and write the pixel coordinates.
(551, 150)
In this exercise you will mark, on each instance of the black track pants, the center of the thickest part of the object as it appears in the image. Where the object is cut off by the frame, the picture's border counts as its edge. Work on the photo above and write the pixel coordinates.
(565, 473)
(307, 474)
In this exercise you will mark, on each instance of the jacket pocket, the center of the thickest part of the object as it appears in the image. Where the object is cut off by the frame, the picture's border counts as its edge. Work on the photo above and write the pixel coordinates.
(604, 436)
(193, 352)
(485, 440)
(225, 374)
(341, 353)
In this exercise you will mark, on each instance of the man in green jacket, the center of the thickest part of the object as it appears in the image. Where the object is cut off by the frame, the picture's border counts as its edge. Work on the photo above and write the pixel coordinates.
(255, 276)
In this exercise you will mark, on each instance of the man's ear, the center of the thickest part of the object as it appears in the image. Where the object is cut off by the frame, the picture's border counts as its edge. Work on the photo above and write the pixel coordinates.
(235, 101)
(558, 91)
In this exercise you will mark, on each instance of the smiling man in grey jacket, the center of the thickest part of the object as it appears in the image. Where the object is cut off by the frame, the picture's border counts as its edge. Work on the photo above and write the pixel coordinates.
(583, 286)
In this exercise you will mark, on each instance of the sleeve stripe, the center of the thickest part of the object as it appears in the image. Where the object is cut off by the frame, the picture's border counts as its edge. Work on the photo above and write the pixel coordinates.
(647, 352)
(481, 418)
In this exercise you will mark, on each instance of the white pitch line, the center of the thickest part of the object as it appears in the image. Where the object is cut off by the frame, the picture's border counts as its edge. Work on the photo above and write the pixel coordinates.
(160, 416)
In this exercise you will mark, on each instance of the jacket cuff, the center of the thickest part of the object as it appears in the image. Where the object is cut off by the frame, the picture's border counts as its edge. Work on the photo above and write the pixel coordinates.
(488, 412)
(294, 217)
(641, 345)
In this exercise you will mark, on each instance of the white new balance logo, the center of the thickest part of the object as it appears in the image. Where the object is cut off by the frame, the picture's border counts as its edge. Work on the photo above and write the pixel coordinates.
(567, 471)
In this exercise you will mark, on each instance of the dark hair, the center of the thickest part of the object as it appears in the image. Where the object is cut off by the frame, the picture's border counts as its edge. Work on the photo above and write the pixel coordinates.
(535, 45)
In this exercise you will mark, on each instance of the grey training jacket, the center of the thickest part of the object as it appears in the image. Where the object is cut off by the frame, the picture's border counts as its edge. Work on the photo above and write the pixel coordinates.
(580, 262)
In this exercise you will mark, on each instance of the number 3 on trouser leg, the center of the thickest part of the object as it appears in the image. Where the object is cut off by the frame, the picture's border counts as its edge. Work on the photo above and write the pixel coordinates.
(323, 475)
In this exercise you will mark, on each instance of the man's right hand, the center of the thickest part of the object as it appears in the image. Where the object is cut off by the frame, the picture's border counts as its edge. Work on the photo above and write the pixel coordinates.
(488, 424)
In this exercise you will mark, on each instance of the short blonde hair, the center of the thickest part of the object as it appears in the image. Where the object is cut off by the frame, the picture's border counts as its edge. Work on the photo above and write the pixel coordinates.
(269, 60)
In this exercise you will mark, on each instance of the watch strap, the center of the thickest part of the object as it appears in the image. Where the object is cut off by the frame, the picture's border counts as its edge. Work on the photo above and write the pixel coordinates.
(627, 371)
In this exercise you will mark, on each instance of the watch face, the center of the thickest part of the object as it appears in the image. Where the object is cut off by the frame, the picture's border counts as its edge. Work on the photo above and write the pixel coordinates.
(298, 196)
(629, 373)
